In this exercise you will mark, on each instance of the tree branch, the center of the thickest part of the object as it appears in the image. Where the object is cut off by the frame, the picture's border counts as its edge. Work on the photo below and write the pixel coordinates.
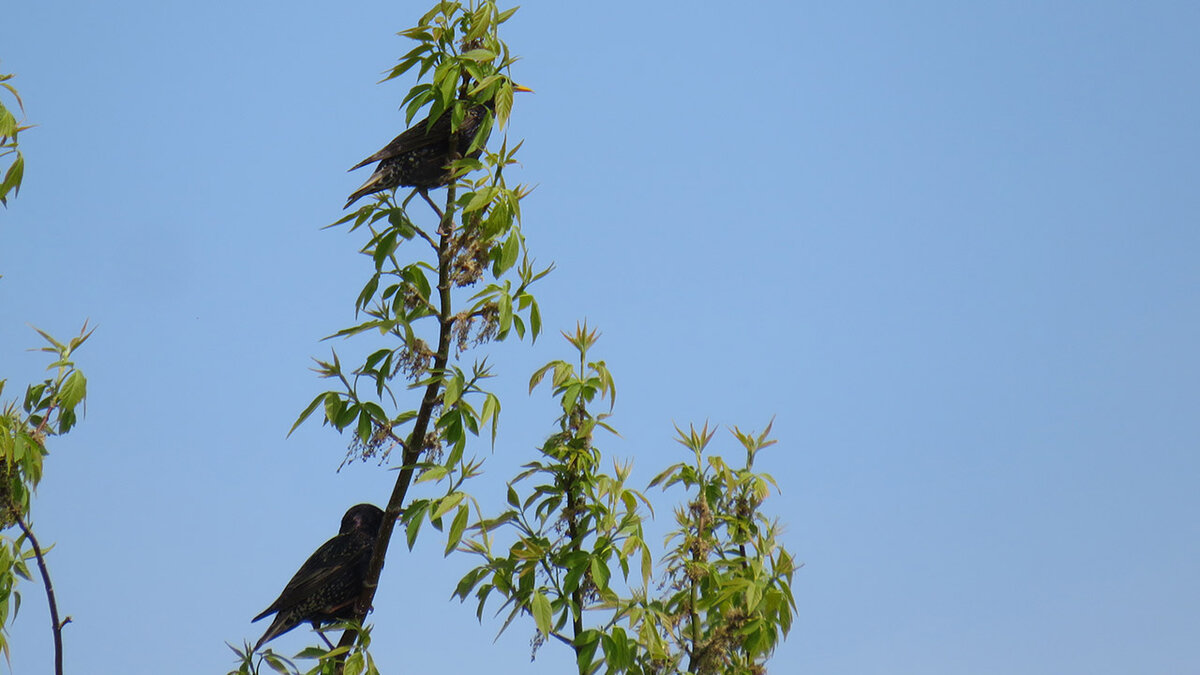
(426, 237)
(695, 650)
(441, 216)
(416, 440)
(575, 545)
(41, 561)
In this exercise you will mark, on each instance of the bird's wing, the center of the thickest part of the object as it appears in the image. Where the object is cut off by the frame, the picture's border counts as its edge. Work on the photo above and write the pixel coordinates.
(420, 135)
(332, 558)
(417, 136)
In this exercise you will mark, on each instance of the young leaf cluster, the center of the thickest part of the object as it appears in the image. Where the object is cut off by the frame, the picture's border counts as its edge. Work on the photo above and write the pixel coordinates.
(725, 598)
(9, 129)
(460, 44)
(352, 659)
(730, 601)
(416, 296)
(47, 409)
(572, 528)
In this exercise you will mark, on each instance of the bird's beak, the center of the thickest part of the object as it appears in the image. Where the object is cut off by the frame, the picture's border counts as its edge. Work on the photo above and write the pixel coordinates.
(517, 87)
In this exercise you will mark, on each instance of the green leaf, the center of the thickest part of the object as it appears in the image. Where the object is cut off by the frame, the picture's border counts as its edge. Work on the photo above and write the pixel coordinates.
(479, 55)
(504, 102)
(420, 32)
(12, 179)
(415, 516)
(571, 580)
(617, 651)
(33, 394)
(336, 651)
(375, 411)
(491, 413)
(505, 308)
(445, 81)
(666, 473)
(755, 600)
(538, 375)
(600, 573)
(535, 319)
(454, 387)
(307, 411)
(364, 430)
(333, 408)
(506, 14)
(354, 664)
(348, 414)
(481, 199)
(385, 243)
(458, 113)
(276, 663)
(540, 607)
(647, 565)
(447, 503)
(8, 123)
(433, 473)
(414, 275)
(587, 652)
(456, 529)
(417, 103)
(512, 249)
(451, 425)
(368, 292)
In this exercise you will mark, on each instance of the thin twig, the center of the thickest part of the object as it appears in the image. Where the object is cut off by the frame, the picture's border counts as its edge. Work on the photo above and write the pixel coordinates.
(433, 311)
(424, 236)
(441, 218)
(398, 441)
(41, 561)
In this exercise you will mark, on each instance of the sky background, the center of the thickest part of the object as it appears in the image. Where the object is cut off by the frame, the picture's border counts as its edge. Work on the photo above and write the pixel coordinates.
(950, 247)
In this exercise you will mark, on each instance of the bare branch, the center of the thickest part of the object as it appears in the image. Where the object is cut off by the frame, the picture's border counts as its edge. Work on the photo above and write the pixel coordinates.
(41, 561)
(441, 217)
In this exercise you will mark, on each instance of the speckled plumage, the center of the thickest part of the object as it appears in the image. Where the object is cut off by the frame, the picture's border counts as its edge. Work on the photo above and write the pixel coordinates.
(330, 581)
(419, 156)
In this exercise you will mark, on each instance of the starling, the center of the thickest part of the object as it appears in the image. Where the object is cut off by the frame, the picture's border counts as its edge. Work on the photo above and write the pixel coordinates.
(330, 581)
(420, 156)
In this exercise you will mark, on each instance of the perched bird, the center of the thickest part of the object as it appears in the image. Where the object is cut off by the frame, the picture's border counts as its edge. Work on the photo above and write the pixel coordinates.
(330, 581)
(420, 156)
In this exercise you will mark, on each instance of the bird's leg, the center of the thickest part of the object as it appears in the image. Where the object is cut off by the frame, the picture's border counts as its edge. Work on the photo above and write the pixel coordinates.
(408, 199)
(322, 634)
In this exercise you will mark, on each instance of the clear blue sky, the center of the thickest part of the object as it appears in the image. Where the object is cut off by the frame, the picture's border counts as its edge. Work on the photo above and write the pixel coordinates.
(952, 247)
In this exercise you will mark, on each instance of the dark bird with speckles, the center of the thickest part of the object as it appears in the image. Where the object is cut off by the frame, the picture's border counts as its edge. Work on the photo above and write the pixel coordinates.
(330, 581)
(420, 156)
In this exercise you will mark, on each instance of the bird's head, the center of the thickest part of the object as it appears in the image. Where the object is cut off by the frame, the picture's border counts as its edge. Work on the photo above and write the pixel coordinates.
(362, 518)
(496, 93)
(495, 88)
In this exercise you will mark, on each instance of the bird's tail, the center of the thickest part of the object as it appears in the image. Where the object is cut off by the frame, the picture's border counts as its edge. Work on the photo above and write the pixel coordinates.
(371, 186)
(283, 623)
